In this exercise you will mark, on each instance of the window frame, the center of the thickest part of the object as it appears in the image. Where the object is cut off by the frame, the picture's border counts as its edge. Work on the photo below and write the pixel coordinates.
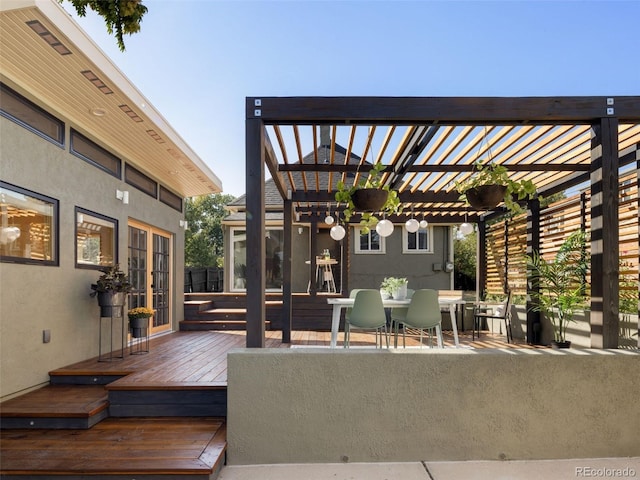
(88, 266)
(359, 251)
(59, 141)
(55, 225)
(417, 251)
(117, 173)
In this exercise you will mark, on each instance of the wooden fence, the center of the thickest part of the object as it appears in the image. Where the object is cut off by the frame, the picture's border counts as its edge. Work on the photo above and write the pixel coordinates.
(203, 279)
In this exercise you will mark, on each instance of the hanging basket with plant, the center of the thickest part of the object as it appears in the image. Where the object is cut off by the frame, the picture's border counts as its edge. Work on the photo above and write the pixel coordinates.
(490, 184)
(368, 197)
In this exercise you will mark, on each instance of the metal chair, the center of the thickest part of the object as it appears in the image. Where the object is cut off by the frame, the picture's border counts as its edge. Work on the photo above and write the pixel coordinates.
(367, 313)
(424, 314)
(483, 311)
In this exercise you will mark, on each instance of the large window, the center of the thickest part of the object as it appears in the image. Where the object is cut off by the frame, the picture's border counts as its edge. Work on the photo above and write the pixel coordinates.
(274, 246)
(28, 226)
(369, 242)
(96, 239)
(418, 242)
(20, 110)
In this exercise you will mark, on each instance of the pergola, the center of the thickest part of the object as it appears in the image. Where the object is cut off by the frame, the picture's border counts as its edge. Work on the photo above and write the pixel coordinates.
(428, 144)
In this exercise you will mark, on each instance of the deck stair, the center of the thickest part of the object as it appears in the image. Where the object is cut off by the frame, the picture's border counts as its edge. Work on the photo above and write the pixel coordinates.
(227, 311)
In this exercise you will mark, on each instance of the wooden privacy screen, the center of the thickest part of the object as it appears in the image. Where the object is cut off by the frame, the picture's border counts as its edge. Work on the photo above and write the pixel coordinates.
(506, 240)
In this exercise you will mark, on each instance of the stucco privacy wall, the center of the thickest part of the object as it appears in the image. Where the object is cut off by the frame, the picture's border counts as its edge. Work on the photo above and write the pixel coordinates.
(361, 405)
(34, 297)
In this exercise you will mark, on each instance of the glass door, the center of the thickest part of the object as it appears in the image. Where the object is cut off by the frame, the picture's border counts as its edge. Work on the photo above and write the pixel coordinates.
(149, 270)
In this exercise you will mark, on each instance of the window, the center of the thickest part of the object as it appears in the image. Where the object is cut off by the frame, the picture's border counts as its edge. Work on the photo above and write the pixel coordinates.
(90, 152)
(369, 242)
(274, 246)
(170, 198)
(20, 110)
(139, 180)
(28, 226)
(96, 239)
(418, 242)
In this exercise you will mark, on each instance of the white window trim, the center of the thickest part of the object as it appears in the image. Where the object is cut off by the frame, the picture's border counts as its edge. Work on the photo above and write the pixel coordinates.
(356, 241)
(405, 243)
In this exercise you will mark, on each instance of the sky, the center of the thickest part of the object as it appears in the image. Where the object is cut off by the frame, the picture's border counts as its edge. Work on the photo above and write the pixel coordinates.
(196, 61)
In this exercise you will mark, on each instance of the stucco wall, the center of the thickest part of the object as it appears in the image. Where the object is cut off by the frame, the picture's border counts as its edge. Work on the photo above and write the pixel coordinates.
(361, 405)
(34, 298)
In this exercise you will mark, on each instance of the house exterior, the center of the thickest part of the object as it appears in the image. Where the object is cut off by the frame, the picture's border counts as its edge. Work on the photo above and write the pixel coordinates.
(425, 258)
(91, 175)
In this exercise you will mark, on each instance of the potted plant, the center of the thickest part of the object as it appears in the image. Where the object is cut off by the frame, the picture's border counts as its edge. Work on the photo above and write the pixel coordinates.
(490, 184)
(394, 287)
(139, 321)
(561, 284)
(368, 196)
(111, 289)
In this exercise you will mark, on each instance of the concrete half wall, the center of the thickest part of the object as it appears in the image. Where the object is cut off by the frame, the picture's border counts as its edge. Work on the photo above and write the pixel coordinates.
(361, 405)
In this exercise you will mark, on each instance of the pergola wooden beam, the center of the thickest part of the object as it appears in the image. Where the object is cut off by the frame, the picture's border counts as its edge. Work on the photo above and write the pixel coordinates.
(443, 110)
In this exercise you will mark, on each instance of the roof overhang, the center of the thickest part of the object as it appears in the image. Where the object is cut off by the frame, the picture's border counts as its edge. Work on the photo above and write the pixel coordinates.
(73, 78)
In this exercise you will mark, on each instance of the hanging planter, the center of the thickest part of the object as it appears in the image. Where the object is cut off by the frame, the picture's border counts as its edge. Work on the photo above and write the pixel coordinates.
(369, 199)
(486, 197)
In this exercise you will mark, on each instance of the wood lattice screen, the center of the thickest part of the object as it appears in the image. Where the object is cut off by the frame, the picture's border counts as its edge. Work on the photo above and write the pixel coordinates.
(506, 240)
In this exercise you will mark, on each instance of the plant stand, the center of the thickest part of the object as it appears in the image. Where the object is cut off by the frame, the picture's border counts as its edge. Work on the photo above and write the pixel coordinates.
(109, 356)
(139, 338)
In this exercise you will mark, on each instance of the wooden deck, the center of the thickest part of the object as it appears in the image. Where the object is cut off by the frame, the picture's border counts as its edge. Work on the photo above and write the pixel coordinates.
(144, 421)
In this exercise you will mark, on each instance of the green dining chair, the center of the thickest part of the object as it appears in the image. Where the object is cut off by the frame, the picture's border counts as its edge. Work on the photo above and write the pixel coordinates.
(367, 313)
(424, 314)
(398, 315)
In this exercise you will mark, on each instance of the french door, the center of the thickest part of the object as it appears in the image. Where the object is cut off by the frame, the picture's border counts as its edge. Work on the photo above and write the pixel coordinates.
(150, 273)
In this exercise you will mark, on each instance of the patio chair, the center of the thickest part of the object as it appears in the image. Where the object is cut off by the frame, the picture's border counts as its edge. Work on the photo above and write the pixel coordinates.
(424, 314)
(367, 313)
(483, 311)
(398, 315)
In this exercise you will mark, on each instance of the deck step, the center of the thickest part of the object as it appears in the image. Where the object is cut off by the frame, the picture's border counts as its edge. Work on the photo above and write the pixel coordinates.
(56, 407)
(141, 448)
(203, 325)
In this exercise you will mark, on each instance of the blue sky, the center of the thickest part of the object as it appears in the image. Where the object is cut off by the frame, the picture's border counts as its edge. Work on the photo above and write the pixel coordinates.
(197, 60)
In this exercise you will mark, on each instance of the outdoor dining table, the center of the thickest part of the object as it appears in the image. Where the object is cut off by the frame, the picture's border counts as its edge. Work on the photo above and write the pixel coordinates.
(341, 302)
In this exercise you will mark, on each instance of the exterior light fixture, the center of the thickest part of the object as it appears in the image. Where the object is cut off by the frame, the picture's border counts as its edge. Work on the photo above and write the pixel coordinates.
(466, 228)
(123, 196)
(337, 232)
(384, 228)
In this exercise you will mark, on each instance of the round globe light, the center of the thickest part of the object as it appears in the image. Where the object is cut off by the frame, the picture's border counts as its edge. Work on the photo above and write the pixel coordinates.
(466, 228)
(337, 232)
(412, 225)
(424, 224)
(384, 228)
(329, 220)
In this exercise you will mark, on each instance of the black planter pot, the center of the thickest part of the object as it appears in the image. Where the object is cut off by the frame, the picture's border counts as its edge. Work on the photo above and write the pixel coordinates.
(559, 345)
(369, 199)
(139, 326)
(111, 303)
(486, 197)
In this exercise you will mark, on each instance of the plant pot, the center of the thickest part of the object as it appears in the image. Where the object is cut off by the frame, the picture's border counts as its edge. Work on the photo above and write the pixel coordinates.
(400, 293)
(139, 326)
(559, 345)
(369, 199)
(111, 303)
(485, 197)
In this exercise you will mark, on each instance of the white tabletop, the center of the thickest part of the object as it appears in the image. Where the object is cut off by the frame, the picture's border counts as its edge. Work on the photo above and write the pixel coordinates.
(341, 302)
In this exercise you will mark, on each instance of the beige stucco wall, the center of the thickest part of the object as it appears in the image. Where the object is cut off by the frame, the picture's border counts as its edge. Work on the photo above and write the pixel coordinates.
(361, 405)
(34, 298)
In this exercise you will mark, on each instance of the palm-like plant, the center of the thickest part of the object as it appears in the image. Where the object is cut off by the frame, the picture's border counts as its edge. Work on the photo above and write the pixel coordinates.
(561, 282)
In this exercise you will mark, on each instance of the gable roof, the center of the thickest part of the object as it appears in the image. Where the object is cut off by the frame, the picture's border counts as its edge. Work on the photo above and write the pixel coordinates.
(302, 180)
